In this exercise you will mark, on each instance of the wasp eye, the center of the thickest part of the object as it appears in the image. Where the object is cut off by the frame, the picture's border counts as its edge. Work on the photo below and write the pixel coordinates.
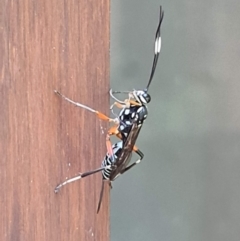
(145, 98)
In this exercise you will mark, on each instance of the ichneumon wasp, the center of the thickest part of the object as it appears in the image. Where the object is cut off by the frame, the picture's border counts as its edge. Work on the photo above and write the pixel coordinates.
(137, 101)
(127, 127)
(113, 165)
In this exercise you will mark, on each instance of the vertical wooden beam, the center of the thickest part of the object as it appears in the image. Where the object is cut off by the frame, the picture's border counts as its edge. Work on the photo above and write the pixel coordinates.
(47, 45)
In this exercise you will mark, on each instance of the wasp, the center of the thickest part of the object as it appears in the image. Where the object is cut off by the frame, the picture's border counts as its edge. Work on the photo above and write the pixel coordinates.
(136, 103)
(127, 126)
(113, 165)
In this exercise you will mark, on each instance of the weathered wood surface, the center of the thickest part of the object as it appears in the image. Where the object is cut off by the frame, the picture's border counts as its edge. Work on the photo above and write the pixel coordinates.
(47, 45)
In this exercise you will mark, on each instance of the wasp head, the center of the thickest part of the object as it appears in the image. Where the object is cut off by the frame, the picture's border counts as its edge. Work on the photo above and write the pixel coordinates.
(142, 96)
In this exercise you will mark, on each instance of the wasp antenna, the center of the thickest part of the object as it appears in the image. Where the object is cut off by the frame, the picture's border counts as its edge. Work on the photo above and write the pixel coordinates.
(101, 196)
(157, 47)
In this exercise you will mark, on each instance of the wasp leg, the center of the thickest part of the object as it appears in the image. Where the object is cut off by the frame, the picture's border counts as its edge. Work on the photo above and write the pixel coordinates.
(117, 92)
(80, 176)
(132, 102)
(112, 131)
(135, 149)
(99, 114)
(127, 104)
(122, 103)
(119, 105)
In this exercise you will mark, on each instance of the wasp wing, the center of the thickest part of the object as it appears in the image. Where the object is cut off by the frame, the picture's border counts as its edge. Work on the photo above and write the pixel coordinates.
(125, 155)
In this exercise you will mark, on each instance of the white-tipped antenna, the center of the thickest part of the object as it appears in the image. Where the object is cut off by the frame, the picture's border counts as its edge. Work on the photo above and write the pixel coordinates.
(157, 47)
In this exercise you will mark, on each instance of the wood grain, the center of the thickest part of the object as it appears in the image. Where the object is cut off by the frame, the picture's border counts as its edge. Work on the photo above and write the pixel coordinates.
(47, 45)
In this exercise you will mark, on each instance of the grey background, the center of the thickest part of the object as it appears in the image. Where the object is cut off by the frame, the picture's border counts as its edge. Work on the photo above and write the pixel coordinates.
(187, 186)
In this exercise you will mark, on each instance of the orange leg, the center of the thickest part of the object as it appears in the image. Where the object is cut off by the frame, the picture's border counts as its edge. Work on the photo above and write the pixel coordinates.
(105, 118)
(132, 102)
(112, 131)
(121, 106)
(127, 104)
(99, 114)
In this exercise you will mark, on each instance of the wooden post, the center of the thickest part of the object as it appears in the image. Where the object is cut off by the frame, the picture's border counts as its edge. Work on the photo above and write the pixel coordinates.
(47, 45)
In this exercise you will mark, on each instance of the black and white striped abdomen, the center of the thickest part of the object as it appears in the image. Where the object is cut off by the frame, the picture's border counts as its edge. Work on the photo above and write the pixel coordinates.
(108, 160)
